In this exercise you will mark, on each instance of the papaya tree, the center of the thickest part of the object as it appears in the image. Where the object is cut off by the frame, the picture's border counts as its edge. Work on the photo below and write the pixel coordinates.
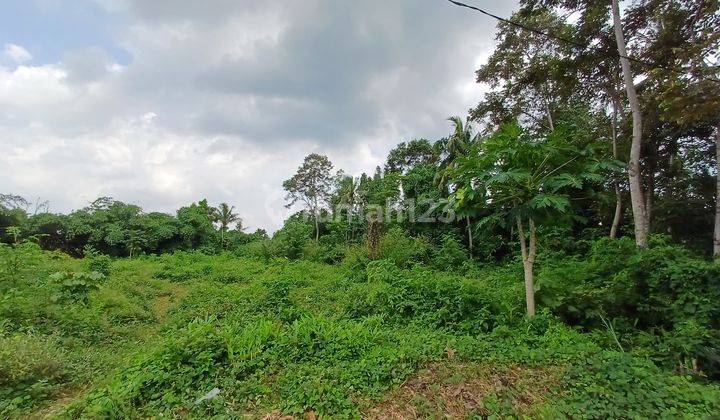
(528, 181)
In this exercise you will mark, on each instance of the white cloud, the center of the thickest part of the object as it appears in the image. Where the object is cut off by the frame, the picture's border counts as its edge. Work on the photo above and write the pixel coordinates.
(16, 53)
(224, 102)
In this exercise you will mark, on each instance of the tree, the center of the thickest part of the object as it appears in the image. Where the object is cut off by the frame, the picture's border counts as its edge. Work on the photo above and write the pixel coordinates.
(527, 181)
(407, 155)
(196, 224)
(527, 73)
(678, 41)
(225, 215)
(135, 242)
(458, 144)
(716, 236)
(637, 200)
(311, 185)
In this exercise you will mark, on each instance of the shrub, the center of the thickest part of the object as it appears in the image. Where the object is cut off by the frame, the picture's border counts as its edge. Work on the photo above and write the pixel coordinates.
(664, 291)
(292, 238)
(617, 385)
(355, 261)
(450, 255)
(402, 249)
(96, 261)
(432, 299)
(31, 367)
(99, 264)
(76, 286)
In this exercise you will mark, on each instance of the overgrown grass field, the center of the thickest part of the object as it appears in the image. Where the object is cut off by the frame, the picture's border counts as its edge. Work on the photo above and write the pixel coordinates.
(190, 335)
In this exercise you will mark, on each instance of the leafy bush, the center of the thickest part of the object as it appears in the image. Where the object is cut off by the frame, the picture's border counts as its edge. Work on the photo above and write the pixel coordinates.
(19, 256)
(31, 367)
(322, 252)
(664, 291)
(96, 261)
(450, 255)
(617, 385)
(355, 261)
(76, 286)
(321, 363)
(402, 249)
(432, 299)
(292, 238)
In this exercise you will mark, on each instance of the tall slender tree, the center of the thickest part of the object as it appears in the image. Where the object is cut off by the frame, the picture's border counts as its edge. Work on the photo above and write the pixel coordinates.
(311, 185)
(716, 235)
(457, 145)
(637, 200)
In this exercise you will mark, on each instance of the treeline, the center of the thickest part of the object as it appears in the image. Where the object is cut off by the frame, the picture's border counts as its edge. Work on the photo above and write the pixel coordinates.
(119, 229)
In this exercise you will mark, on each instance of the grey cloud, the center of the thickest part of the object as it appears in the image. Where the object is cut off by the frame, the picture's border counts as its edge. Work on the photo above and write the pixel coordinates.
(276, 79)
(84, 66)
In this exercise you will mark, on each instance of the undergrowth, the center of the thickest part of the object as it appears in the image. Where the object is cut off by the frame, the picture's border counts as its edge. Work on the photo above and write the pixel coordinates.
(192, 335)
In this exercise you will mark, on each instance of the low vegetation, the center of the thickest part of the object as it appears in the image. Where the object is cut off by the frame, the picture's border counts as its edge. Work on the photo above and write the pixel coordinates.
(196, 335)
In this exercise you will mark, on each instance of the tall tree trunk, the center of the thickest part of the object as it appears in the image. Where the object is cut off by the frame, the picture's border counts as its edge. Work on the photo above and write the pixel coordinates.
(470, 235)
(636, 189)
(649, 199)
(528, 257)
(317, 228)
(716, 239)
(618, 196)
(549, 114)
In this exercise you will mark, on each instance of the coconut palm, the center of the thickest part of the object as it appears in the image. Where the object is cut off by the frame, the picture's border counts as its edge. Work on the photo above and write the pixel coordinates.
(455, 146)
(225, 215)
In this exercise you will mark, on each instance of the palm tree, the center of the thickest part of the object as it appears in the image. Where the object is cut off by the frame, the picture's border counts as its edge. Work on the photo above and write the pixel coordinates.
(225, 215)
(456, 145)
(349, 195)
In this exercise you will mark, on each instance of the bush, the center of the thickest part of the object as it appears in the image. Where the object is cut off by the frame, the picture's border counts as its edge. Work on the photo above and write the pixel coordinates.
(664, 291)
(31, 367)
(402, 249)
(432, 299)
(96, 261)
(76, 286)
(617, 385)
(315, 363)
(322, 252)
(292, 238)
(355, 261)
(450, 255)
(100, 264)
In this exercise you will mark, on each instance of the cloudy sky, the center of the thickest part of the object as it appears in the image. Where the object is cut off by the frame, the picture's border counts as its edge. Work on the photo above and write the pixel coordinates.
(161, 103)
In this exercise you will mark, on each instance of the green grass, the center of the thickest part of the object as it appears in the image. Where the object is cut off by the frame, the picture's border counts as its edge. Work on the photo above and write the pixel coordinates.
(158, 333)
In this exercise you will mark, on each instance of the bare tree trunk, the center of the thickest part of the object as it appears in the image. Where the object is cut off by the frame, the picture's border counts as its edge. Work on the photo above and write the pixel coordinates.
(716, 239)
(470, 235)
(549, 115)
(528, 256)
(618, 197)
(649, 200)
(317, 228)
(636, 189)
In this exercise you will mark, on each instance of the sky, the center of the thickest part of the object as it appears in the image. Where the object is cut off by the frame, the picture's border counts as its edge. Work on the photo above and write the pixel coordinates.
(163, 103)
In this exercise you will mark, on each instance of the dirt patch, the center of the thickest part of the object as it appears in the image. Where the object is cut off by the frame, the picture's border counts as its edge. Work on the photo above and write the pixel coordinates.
(57, 406)
(453, 390)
